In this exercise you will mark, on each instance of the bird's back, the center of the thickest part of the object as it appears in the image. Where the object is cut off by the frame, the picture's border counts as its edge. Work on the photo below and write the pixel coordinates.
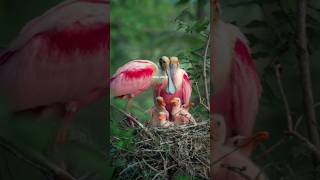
(57, 57)
(133, 78)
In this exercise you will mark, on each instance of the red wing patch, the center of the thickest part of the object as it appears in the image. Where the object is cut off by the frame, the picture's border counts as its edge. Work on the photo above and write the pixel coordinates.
(138, 73)
(84, 39)
(242, 51)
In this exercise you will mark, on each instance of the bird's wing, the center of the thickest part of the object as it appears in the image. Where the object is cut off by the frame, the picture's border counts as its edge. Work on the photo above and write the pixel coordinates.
(246, 88)
(63, 16)
(57, 57)
(186, 88)
(238, 100)
(133, 78)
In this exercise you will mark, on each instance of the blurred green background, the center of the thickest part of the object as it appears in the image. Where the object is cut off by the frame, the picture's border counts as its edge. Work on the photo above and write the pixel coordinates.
(270, 27)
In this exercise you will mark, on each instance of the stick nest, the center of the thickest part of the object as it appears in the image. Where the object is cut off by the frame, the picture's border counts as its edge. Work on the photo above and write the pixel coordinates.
(169, 153)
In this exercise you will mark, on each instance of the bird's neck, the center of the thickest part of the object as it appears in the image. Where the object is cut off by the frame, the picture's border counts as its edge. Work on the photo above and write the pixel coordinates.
(159, 77)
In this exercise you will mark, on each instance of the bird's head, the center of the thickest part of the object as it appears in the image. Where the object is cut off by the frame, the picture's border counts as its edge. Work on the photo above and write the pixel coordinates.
(248, 144)
(218, 129)
(164, 62)
(176, 102)
(174, 65)
(160, 101)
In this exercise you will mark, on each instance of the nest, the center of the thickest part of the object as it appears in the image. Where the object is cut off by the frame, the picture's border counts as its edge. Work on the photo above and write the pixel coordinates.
(161, 153)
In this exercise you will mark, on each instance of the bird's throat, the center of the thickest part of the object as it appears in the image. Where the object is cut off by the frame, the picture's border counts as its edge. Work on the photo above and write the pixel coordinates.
(171, 89)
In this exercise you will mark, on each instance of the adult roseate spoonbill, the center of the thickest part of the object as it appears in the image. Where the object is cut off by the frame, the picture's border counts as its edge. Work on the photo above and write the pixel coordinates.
(180, 115)
(229, 164)
(181, 82)
(137, 76)
(59, 60)
(236, 84)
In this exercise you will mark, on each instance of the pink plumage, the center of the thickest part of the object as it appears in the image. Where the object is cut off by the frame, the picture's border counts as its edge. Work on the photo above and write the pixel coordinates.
(133, 78)
(58, 58)
(183, 86)
(237, 85)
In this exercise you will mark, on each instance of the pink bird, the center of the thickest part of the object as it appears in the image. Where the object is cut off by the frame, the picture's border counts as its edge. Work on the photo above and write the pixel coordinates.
(59, 61)
(229, 164)
(137, 76)
(181, 115)
(159, 114)
(181, 83)
(237, 87)
(247, 145)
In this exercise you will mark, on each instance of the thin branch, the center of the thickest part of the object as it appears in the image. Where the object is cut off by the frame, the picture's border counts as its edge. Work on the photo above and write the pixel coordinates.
(36, 160)
(205, 73)
(200, 98)
(138, 123)
(291, 131)
(284, 98)
(304, 65)
(312, 147)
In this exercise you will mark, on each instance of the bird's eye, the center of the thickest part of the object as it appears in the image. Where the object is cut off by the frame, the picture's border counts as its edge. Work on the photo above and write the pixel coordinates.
(218, 124)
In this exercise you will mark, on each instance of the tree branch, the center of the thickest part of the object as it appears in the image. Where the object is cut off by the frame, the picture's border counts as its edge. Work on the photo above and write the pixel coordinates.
(205, 73)
(36, 160)
(292, 131)
(304, 65)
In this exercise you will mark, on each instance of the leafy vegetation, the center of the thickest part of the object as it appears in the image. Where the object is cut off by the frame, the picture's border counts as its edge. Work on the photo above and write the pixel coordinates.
(147, 29)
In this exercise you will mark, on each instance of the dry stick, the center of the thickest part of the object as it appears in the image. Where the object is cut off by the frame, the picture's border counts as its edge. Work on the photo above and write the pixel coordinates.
(237, 170)
(291, 131)
(200, 98)
(36, 160)
(284, 98)
(205, 73)
(146, 130)
(304, 64)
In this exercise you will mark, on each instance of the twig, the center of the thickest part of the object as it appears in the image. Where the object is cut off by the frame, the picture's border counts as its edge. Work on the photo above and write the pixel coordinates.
(205, 72)
(312, 147)
(36, 160)
(304, 64)
(291, 131)
(284, 97)
(200, 98)
(272, 148)
(138, 123)
(237, 170)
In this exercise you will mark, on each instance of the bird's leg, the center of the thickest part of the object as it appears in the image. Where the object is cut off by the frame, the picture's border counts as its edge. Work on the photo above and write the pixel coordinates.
(61, 136)
(128, 109)
(71, 109)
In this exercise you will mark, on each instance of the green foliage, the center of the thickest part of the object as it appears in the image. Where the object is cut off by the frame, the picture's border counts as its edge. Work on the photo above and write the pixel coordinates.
(182, 178)
(149, 29)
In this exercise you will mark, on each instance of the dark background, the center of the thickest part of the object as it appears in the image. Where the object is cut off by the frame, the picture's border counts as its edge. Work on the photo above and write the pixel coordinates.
(270, 27)
(86, 150)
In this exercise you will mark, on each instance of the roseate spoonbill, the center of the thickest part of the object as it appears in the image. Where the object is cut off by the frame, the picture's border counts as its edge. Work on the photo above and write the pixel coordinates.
(236, 84)
(157, 119)
(247, 144)
(160, 120)
(180, 115)
(58, 63)
(181, 83)
(137, 76)
(229, 164)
